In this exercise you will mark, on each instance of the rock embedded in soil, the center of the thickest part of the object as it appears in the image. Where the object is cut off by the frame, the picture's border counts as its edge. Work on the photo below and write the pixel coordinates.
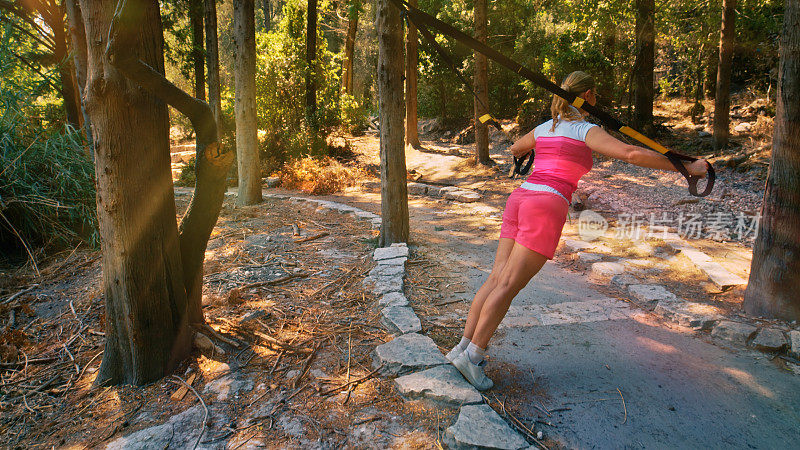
(407, 353)
(607, 269)
(386, 270)
(384, 285)
(440, 384)
(180, 431)
(794, 342)
(393, 299)
(769, 340)
(390, 252)
(400, 320)
(479, 426)
(735, 332)
(623, 280)
(648, 295)
(588, 257)
(227, 387)
(689, 314)
(417, 188)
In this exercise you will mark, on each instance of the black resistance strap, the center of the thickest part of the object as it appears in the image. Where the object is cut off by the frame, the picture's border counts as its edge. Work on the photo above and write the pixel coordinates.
(422, 20)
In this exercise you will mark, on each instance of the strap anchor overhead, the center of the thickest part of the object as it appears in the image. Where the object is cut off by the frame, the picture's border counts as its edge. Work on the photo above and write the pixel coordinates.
(422, 20)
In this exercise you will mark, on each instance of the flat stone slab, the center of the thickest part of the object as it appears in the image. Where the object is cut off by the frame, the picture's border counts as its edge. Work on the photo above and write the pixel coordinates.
(462, 195)
(224, 388)
(623, 280)
(715, 272)
(400, 320)
(383, 270)
(479, 426)
(607, 269)
(794, 342)
(650, 294)
(769, 340)
(384, 285)
(689, 314)
(390, 252)
(180, 431)
(576, 245)
(589, 257)
(440, 384)
(417, 188)
(734, 332)
(393, 299)
(569, 312)
(407, 353)
(401, 261)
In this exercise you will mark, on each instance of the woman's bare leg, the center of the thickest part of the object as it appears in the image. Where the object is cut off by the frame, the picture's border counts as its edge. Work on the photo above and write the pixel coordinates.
(522, 264)
(503, 252)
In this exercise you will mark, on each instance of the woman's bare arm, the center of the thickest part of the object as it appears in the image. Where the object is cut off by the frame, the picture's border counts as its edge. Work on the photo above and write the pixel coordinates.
(523, 145)
(600, 141)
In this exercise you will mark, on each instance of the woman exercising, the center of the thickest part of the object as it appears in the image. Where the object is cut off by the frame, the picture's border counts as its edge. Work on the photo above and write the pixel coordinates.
(536, 211)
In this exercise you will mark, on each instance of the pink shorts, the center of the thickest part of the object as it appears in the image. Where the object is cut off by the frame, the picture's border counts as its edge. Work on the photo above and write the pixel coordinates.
(535, 219)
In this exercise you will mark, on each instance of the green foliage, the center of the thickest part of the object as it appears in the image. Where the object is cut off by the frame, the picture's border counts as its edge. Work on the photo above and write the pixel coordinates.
(287, 131)
(188, 175)
(47, 194)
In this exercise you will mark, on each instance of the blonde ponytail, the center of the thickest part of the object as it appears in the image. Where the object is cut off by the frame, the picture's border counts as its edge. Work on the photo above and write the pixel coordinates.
(577, 82)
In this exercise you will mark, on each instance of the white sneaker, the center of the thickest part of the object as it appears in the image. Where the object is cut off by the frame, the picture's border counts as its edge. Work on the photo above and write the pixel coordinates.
(472, 372)
(453, 354)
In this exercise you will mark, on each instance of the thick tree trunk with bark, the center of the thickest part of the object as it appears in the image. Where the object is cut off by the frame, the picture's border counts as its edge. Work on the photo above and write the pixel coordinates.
(481, 86)
(394, 193)
(244, 33)
(722, 100)
(774, 282)
(311, 56)
(196, 21)
(349, 47)
(412, 133)
(212, 58)
(645, 60)
(146, 326)
(77, 34)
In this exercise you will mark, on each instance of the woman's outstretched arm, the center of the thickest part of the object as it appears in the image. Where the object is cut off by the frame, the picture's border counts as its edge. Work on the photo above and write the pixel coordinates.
(523, 145)
(600, 141)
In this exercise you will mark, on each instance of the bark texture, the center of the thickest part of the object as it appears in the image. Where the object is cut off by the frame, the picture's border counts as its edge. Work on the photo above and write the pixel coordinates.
(196, 21)
(244, 33)
(212, 59)
(412, 133)
(645, 60)
(146, 328)
(722, 99)
(394, 193)
(774, 282)
(481, 87)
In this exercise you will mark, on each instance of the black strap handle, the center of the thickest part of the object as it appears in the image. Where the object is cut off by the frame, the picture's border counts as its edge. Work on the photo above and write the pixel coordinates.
(677, 160)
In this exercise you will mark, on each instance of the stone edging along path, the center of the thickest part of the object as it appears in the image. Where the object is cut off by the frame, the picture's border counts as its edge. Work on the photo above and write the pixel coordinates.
(421, 371)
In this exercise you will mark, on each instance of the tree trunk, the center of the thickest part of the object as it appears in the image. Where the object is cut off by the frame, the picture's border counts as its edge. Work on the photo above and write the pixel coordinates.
(394, 194)
(77, 34)
(266, 11)
(481, 86)
(311, 54)
(722, 100)
(212, 59)
(196, 21)
(244, 34)
(66, 71)
(349, 47)
(643, 77)
(145, 300)
(774, 282)
(412, 134)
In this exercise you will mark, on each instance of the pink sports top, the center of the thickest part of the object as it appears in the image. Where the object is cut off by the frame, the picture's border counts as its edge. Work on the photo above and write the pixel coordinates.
(562, 156)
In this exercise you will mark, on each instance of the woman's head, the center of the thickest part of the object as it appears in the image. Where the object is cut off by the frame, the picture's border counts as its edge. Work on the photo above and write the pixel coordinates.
(579, 83)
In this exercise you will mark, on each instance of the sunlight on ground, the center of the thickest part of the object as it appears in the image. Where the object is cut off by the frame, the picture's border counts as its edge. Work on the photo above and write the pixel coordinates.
(748, 380)
(656, 346)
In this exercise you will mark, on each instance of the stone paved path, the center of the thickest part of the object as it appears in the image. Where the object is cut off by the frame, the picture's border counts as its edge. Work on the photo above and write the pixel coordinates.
(680, 390)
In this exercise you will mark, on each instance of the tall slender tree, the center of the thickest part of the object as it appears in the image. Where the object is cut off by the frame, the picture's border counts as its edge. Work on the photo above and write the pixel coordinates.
(349, 46)
(394, 192)
(249, 166)
(775, 271)
(212, 58)
(77, 34)
(198, 52)
(311, 56)
(645, 60)
(722, 99)
(481, 86)
(412, 133)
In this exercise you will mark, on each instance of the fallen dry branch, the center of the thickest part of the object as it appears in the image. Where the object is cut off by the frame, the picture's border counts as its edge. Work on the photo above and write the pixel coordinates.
(351, 383)
(274, 282)
(311, 238)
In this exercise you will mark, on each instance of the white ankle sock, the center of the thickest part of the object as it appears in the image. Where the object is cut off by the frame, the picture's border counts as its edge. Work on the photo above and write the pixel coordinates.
(463, 344)
(475, 353)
